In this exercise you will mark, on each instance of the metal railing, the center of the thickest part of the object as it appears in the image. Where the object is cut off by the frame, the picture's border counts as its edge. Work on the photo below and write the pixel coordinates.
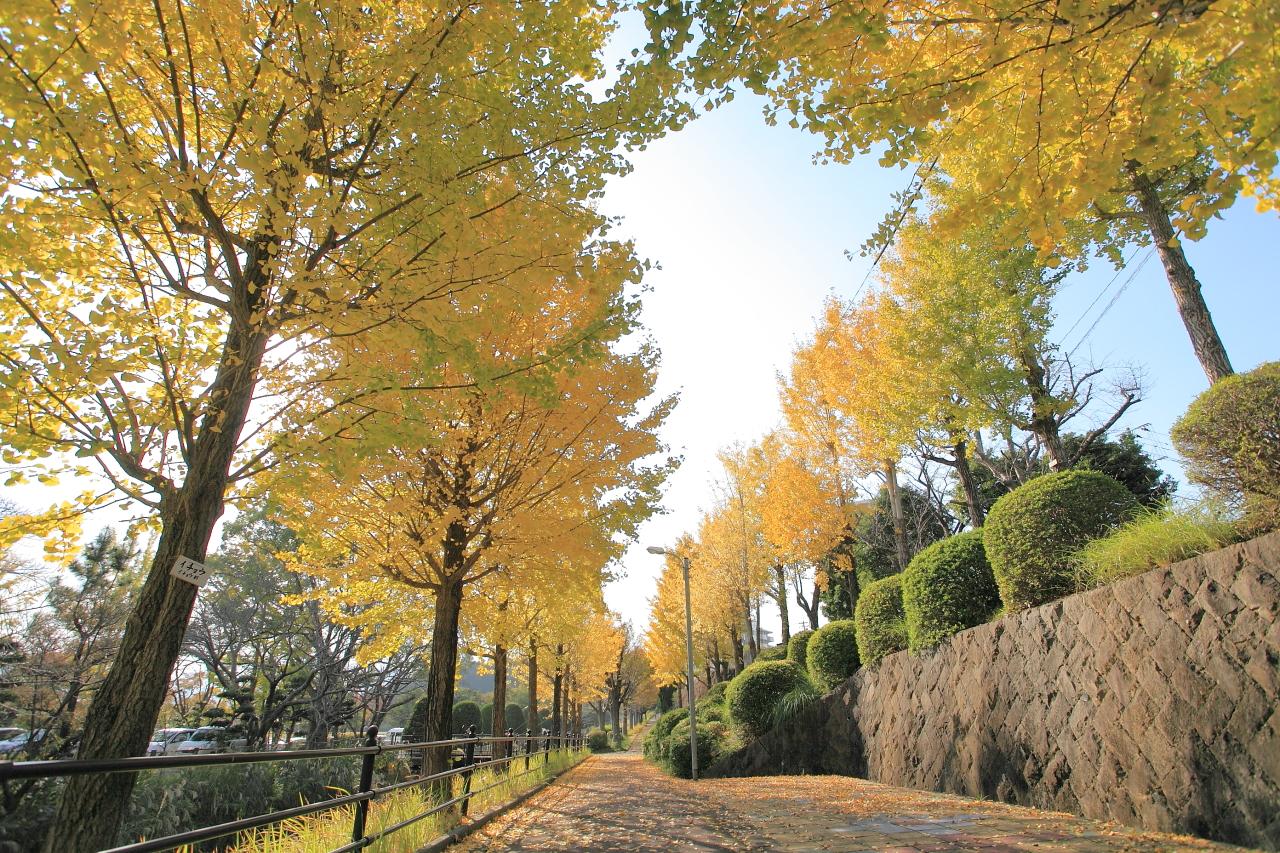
(464, 756)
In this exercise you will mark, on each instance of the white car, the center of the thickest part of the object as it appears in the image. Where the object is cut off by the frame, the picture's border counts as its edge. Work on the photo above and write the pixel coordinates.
(207, 739)
(166, 741)
(20, 742)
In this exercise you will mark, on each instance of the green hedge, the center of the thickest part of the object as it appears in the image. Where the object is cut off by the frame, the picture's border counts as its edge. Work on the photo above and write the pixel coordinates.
(655, 740)
(712, 738)
(598, 740)
(798, 647)
(948, 587)
(833, 654)
(1032, 533)
(879, 620)
(715, 695)
(1230, 439)
(772, 653)
(752, 695)
(466, 714)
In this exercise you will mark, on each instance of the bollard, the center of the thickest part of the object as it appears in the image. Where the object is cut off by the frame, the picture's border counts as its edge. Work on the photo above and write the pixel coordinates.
(366, 785)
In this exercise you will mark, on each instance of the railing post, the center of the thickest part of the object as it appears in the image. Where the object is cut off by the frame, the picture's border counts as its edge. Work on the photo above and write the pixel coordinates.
(528, 747)
(509, 750)
(470, 759)
(366, 785)
(546, 745)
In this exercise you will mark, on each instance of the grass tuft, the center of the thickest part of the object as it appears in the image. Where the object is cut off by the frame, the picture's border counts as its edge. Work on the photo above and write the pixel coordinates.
(331, 829)
(1154, 539)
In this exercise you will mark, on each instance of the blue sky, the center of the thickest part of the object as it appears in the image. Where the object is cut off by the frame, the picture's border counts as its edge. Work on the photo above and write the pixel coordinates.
(751, 236)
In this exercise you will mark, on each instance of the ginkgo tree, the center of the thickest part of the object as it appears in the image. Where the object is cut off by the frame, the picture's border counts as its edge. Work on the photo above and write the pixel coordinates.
(1096, 123)
(480, 487)
(199, 194)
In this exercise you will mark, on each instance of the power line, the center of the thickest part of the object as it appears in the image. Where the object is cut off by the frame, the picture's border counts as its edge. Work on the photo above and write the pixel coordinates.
(1101, 293)
(1110, 304)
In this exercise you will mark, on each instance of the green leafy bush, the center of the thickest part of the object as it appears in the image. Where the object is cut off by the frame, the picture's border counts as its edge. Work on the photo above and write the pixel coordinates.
(755, 691)
(715, 695)
(948, 587)
(486, 718)
(598, 740)
(712, 713)
(515, 717)
(797, 648)
(879, 620)
(772, 653)
(1230, 437)
(654, 742)
(465, 714)
(833, 654)
(711, 742)
(1033, 532)
(1153, 539)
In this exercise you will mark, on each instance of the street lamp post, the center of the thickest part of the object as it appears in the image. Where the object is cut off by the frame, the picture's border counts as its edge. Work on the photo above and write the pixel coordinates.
(688, 647)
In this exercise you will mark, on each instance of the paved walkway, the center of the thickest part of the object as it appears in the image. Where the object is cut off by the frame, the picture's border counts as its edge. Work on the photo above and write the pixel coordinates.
(619, 802)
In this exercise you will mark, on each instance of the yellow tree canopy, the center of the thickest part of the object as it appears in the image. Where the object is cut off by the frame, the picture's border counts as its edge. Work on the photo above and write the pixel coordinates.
(1044, 109)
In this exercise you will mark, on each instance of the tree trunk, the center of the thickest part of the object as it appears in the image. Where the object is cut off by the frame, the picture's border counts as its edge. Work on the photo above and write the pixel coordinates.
(780, 573)
(1044, 409)
(566, 722)
(739, 661)
(970, 486)
(752, 645)
(1182, 279)
(615, 712)
(901, 548)
(499, 690)
(126, 705)
(441, 675)
(533, 721)
(759, 629)
(556, 686)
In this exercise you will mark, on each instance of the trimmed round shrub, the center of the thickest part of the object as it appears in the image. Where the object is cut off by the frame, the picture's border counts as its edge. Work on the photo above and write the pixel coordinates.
(486, 718)
(655, 741)
(1032, 532)
(755, 691)
(712, 713)
(1230, 437)
(515, 717)
(772, 653)
(946, 588)
(598, 740)
(833, 654)
(711, 742)
(465, 714)
(797, 647)
(879, 620)
(714, 696)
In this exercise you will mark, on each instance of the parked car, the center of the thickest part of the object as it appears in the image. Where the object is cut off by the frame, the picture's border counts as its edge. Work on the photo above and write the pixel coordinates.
(207, 739)
(167, 741)
(21, 742)
(394, 735)
(6, 734)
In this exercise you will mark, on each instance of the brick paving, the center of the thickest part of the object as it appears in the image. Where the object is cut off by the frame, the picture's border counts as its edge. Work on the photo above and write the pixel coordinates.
(619, 802)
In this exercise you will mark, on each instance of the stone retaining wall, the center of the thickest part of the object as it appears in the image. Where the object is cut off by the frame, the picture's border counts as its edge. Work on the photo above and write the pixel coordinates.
(1154, 702)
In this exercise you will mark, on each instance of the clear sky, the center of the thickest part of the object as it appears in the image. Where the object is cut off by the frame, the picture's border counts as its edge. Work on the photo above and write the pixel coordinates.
(751, 237)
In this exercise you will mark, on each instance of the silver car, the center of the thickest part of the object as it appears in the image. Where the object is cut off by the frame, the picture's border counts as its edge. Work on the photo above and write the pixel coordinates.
(208, 739)
(166, 741)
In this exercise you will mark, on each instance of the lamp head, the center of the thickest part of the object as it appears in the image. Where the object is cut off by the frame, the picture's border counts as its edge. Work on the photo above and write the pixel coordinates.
(654, 549)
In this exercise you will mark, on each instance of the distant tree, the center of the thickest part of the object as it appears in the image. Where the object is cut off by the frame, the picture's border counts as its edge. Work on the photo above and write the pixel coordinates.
(1122, 457)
